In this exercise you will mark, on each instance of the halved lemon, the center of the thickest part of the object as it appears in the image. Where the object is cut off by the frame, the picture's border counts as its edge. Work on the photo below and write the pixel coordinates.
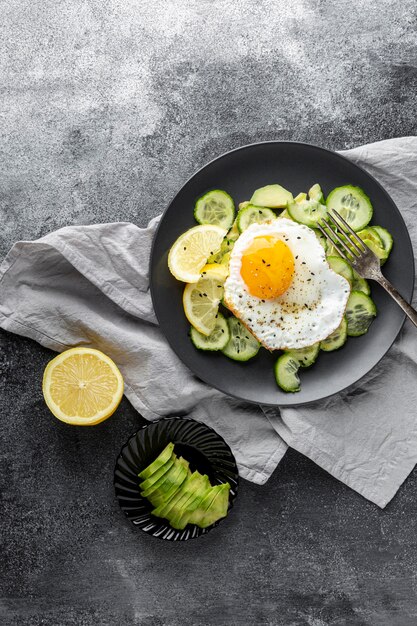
(201, 299)
(82, 386)
(191, 250)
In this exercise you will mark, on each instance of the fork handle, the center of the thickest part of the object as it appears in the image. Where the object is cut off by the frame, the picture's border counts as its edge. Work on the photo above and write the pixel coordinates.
(407, 308)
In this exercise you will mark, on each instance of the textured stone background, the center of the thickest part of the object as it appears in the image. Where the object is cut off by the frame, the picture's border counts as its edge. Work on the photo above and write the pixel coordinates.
(106, 109)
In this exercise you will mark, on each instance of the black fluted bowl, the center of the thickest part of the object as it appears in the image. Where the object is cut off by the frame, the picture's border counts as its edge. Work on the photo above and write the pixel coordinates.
(199, 444)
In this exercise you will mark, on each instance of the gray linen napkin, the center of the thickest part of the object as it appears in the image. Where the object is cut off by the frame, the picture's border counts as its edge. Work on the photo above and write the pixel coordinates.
(89, 285)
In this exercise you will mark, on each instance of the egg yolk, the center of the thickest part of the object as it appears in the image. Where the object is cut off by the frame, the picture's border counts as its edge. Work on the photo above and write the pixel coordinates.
(267, 267)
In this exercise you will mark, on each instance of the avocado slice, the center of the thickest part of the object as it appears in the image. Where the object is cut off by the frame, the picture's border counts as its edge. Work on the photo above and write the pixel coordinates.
(185, 491)
(146, 484)
(272, 196)
(160, 460)
(180, 520)
(315, 193)
(163, 494)
(198, 485)
(216, 507)
(167, 481)
(197, 514)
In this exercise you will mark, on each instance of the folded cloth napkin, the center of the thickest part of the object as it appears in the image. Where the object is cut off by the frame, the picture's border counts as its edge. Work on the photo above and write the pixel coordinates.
(89, 285)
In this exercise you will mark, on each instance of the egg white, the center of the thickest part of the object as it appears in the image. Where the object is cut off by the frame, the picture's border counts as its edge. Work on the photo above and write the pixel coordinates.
(311, 308)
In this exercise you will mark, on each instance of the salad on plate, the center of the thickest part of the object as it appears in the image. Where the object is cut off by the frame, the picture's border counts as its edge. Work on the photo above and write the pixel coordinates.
(264, 277)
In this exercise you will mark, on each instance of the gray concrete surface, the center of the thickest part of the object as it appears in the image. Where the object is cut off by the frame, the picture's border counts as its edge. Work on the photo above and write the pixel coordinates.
(106, 109)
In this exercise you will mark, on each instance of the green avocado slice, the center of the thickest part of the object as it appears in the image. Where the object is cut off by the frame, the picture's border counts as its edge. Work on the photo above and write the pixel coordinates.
(174, 477)
(217, 508)
(160, 460)
(163, 494)
(182, 495)
(180, 519)
(146, 484)
(272, 196)
(196, 515)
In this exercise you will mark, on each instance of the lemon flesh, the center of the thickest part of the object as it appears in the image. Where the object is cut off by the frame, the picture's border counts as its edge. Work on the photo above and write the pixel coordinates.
(201, 299)
(191, 250)
(82, 386)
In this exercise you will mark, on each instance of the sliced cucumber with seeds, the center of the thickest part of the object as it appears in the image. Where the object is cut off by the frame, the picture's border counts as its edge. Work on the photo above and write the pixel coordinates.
(353, 205)
(241, 346)
(252, 214)
(360, 284)
(371, 238)
(272, 196)
(286, 373)
(337, 339)
(340, 266)
(217, 340)
(385, 236)
(215, 207)
(307, 212)
(315, 193)
(360, 312)
(305, 356)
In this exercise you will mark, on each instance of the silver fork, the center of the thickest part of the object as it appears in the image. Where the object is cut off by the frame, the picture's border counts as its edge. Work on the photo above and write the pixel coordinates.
(361, 258)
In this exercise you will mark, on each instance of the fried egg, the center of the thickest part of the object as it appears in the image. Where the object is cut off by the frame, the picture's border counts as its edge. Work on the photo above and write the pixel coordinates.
(281, 286)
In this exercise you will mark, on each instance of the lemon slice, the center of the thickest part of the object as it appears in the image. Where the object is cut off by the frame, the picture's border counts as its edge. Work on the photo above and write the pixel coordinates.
(190, 252)
(82, 386)
(215, 271)
(201, 299)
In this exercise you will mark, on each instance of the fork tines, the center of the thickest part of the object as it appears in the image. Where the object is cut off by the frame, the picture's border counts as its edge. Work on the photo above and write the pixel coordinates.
(330, 227)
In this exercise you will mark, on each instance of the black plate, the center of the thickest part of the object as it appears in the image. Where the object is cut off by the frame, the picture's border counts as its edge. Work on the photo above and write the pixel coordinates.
(199, 444)
(296, 166)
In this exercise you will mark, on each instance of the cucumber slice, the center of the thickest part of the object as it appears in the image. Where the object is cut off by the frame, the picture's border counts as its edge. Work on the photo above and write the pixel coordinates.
(305, 356)
(243, 204)
(371, 234)
(385, 236)
(360, 284)
(215, 207)
(337, 339)
(252, 214)
(340, 266)
(286, 373)
(371, 238)
(353, 205)
(360, 312)
(315, 193)
(272, 196)
(217, 340)
(307, 212)
(300, 197)
(241, 346)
